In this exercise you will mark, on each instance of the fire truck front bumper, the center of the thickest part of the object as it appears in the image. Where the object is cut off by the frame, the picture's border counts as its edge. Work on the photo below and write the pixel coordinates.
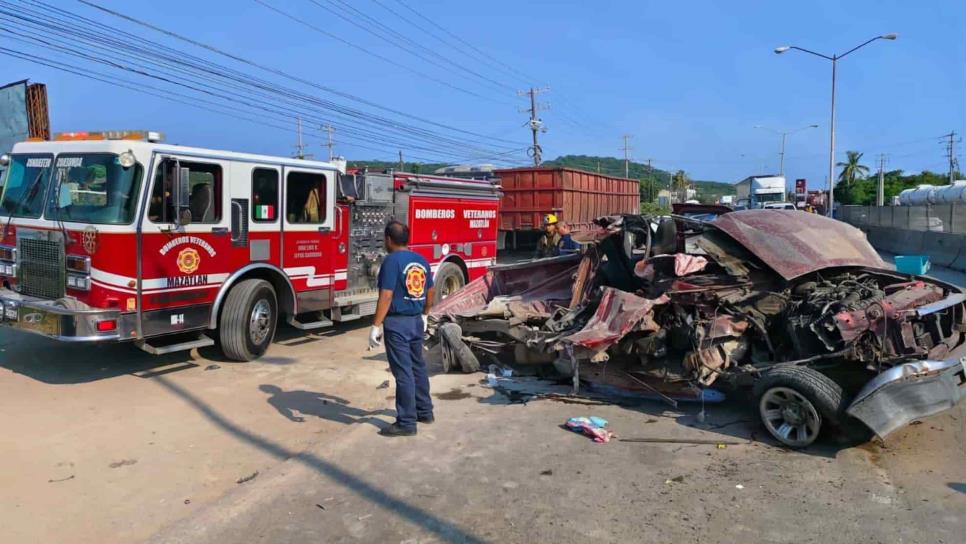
(62, 320)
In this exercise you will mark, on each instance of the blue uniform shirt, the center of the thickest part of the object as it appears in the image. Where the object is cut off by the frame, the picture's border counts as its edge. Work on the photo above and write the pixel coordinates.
(409, 278)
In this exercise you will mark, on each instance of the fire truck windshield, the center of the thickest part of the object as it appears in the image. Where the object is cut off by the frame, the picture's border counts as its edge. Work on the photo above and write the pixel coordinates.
(93, 188)
(26, 185)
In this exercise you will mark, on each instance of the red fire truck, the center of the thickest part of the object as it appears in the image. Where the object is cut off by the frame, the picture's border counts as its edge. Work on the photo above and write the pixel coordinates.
(116, 236)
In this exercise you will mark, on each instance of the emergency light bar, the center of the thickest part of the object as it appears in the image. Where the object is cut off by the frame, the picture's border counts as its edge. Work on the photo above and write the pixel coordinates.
(139, 135)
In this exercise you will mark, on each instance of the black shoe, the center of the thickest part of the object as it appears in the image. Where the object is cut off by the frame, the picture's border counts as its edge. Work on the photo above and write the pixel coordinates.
(426, 419)
(396, 430)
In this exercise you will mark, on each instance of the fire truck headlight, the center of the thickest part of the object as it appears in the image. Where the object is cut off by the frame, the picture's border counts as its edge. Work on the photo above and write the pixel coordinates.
(77, 263)
(10, 312)
(7, 269)
(8, 253)
(82, 283)
(126, 159)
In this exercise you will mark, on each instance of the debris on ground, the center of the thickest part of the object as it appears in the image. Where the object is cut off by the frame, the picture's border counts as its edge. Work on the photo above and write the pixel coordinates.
(593, 427)
(248, 478)
(122, 463)
(71, 477)
(212, 367)
(384, 385)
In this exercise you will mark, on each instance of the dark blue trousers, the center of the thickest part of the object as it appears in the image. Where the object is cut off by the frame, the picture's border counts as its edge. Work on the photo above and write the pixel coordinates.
(404, 348)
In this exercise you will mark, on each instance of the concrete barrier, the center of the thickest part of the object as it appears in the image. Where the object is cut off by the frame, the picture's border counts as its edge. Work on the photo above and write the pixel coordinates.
(960, 262)
(909, 242)
(942, 248)
(876, 236)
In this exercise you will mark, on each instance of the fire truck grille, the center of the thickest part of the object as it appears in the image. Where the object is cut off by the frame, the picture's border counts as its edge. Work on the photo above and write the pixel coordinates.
(41, 268)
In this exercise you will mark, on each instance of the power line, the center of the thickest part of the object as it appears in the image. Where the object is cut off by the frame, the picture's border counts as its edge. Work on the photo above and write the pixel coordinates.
(232, 75)
(406, 44)
(286, 75)
(482, 54)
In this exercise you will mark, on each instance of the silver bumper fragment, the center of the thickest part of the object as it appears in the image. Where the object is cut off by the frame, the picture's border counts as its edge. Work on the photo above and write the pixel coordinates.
(51, 319)
(908, 392)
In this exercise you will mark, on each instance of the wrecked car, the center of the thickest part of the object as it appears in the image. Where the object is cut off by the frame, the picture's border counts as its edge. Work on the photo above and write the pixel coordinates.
(796, 308)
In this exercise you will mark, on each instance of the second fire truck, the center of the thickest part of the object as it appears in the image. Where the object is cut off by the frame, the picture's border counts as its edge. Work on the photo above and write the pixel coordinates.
(109, 237)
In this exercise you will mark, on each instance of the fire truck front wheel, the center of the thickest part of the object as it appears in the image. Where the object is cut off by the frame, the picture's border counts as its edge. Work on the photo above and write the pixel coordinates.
(248, 320)
(448, 280)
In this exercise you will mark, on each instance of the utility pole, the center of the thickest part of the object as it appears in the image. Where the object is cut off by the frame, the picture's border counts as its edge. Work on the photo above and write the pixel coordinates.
(536, 125)
(951, 155)
(329, 129)
(299, 148)
(880, 193)
(401, 163)
(650, 181)
(627, 171)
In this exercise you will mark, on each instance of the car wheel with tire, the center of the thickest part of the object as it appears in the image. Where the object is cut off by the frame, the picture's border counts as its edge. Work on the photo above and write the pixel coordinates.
(795, 401)
(455, 351)
(248, 320)
(448, 280)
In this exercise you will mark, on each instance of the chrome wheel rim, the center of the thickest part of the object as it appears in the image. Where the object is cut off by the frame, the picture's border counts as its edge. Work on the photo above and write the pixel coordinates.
(789, 417)
(260, 322)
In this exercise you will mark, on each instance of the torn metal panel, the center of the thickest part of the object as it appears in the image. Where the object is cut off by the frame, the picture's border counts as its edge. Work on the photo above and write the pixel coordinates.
(617, 314)
(908, 392)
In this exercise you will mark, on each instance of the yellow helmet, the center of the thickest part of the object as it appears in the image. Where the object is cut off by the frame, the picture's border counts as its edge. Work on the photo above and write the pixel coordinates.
(549, 219)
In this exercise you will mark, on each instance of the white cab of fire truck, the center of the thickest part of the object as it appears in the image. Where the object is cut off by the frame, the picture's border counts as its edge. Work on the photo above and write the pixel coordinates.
(117, 236)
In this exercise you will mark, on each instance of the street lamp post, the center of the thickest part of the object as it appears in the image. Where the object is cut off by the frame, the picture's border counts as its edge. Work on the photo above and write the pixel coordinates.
(831, 139)
(784, 134)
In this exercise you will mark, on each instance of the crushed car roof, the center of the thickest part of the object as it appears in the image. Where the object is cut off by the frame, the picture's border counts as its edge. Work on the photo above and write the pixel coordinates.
(794, 243)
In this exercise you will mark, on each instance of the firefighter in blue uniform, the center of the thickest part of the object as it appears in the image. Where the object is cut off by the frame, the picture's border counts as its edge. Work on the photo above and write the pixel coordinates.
(405, 298)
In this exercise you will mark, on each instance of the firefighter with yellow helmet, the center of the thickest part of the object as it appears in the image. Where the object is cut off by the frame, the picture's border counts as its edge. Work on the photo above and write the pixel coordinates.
(556, 239)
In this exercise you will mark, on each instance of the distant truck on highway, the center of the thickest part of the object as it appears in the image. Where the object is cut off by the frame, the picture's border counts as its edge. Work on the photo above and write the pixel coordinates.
(756, 191)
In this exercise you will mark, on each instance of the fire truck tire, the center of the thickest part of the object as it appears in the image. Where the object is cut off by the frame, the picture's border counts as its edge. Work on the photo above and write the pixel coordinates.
(248, 320)
(448, 280)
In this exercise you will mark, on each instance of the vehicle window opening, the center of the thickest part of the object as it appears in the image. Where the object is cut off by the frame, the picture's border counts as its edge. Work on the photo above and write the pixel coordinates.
(204, 202)
(264, 195)
(305, 198)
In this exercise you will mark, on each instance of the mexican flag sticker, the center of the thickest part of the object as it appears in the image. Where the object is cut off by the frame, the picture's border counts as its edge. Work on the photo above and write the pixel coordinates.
(266, 212)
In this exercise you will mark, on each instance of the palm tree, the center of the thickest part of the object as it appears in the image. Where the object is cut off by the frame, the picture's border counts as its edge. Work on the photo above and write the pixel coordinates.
(851, 168)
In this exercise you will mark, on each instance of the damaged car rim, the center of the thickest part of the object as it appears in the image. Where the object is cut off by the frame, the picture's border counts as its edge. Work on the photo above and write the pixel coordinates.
(789, 416)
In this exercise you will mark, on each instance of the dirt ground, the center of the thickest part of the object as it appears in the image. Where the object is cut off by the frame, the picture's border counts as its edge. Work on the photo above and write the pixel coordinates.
(490, 471)
(107, 444)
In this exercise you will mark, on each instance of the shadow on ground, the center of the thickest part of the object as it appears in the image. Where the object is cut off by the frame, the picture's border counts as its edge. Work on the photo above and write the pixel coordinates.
(734, 420)
(432, 522)
(60, 363)
(296, 405)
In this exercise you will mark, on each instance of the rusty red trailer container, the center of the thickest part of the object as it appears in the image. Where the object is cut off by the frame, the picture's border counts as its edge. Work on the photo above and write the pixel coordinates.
(575, 196)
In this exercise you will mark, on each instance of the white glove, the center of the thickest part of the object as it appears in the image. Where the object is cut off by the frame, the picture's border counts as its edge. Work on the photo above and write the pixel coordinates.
(375, 337)
(425, 322)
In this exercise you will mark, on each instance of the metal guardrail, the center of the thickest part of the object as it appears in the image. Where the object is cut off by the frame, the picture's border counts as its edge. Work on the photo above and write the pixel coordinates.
(948, 218)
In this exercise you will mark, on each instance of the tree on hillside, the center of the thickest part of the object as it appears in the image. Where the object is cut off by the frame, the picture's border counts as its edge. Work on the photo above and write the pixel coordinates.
(851, 168)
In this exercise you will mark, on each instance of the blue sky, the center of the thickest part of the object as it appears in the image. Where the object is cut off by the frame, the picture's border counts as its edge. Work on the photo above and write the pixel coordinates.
(689, 80)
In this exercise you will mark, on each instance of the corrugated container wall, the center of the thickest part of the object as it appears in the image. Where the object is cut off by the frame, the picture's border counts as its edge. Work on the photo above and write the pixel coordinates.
(575, 196)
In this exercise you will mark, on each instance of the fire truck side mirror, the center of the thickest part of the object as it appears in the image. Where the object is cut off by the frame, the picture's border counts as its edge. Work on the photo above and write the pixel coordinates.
(182, 197)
